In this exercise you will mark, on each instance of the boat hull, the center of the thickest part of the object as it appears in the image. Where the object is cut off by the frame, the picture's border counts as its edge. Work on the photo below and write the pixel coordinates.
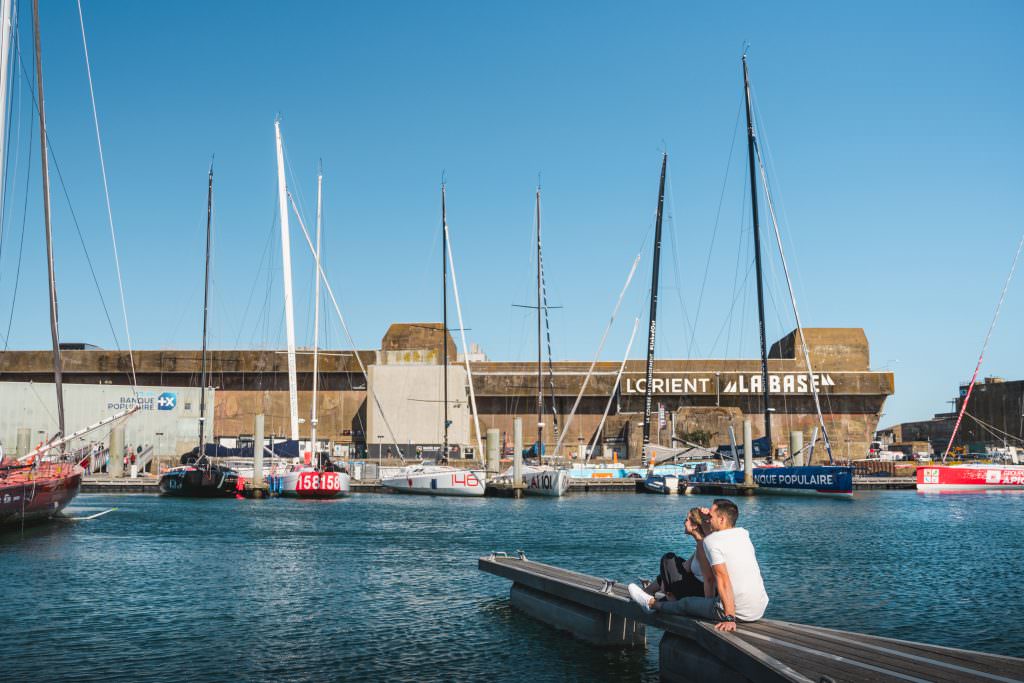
(552, 483)
(34, 496)
(194, 482)
(810, 480)
(443, 483)
(311, 484)
(660, 484)
(970, 478)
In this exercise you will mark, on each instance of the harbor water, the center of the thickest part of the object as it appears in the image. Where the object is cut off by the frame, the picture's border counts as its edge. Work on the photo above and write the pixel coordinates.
(385, 587)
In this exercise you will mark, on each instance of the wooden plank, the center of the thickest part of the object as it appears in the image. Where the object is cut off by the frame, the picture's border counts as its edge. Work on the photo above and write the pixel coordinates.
(921, 668)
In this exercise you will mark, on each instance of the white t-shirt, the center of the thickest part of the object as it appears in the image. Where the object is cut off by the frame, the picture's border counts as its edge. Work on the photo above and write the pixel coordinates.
(695, 567)
(733, 547)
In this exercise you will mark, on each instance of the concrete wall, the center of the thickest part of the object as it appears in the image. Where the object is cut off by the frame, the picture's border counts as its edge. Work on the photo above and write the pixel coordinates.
(170, 424)
(412, 399)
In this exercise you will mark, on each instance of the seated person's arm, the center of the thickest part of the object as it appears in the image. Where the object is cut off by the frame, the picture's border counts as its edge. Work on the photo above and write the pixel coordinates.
(725, 594)
(705, 570)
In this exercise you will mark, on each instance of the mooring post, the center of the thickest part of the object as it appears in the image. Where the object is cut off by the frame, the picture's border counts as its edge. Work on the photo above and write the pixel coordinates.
(493, 452)
(257, 452)
(796, 444)
(517, 453)
(748, 453)
(115, 463)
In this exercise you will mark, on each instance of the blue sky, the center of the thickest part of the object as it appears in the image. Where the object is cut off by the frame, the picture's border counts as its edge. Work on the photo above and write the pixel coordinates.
(892, 131)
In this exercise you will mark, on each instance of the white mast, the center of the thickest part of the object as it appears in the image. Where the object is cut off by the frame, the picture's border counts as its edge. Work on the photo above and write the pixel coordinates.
(5, 52)
(286, 266)
(316, 315)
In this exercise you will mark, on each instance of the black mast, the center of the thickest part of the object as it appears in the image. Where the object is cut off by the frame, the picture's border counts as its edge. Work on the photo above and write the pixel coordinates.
(206, 308)
(751, 141)
(654, 312)
(444, 319)
(540, 385)
(58, 365)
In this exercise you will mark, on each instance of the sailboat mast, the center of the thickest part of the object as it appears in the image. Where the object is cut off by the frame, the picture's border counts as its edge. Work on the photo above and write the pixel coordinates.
(444, 320)
(6, 35)
(316, 318)
(540, 379)
(58, 365)
(286, 265)
(757, 258)
(206, 309)
(648, 388)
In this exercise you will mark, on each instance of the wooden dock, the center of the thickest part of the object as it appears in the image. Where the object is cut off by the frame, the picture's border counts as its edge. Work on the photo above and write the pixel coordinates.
(600, 611)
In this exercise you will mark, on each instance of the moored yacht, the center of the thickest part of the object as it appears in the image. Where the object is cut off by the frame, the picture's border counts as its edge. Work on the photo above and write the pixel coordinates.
(438, 480)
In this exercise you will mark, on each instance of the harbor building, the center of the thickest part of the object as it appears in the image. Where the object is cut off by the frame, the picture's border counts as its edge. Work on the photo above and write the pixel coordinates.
(994, 416)
(397, 403)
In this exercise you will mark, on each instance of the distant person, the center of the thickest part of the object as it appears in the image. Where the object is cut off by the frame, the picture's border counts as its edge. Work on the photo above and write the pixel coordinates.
(679, 578)
(735, 572)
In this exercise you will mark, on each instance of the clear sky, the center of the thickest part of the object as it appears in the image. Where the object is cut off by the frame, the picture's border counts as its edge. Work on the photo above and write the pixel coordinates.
(893, 129)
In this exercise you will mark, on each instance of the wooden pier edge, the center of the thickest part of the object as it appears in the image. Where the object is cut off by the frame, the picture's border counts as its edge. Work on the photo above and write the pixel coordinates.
(765, 650)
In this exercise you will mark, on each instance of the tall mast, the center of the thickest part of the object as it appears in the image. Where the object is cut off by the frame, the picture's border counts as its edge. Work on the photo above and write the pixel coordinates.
(58, 365)
(5, 54)
(286, 265)
(648, 388)
(444, 321)
(206, 309)
(540, 379)
(757, 258)
(316, 316)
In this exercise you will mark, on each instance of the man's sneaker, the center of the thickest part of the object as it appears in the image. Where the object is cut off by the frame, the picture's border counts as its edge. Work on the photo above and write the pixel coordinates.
(659, 596)
(640, 597)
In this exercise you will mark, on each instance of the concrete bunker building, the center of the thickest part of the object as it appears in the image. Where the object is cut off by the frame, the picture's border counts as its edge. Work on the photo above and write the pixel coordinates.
(396, 404)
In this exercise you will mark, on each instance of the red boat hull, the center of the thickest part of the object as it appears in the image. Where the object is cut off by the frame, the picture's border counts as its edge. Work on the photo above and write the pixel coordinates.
(970, 478)
(39, 493)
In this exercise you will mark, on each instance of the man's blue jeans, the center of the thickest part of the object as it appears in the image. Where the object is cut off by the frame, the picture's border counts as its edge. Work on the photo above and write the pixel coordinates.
(701, 608)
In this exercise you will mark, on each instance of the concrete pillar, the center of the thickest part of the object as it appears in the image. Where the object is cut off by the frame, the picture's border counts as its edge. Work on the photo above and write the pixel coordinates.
(115, 463)
(590, 625)
(796, 444)
(24, 441)
(681, 660)
(517, 452)
(748, 453)
(493, 452)
(257, 451)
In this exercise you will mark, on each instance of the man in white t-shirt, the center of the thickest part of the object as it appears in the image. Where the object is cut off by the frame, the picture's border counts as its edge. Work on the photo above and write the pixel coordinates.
(736, 575)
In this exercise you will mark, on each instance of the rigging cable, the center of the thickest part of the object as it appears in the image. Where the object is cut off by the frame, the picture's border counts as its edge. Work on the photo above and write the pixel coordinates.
(348, 334)
(600, 347)
(106, 194)
(796, 312)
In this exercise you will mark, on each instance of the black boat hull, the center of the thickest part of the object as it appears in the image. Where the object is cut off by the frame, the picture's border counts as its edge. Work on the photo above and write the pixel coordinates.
(200, 482)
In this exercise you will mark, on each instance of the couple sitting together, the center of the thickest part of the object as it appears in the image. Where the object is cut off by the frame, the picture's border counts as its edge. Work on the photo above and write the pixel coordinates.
(720, 582)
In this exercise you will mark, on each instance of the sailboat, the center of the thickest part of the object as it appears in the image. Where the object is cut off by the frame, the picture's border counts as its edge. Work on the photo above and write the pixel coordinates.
(654, 482)
(439, 478)
(773, 477)
(40, 484)
(540, 479)
(199, 477)
(319, 478)
(974, 476)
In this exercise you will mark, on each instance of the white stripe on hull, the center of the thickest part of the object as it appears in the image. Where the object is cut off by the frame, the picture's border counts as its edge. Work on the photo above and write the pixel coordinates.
(969, 487)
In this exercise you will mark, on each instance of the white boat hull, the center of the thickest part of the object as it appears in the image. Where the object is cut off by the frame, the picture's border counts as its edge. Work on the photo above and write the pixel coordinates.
(439, 482)
(546, 482)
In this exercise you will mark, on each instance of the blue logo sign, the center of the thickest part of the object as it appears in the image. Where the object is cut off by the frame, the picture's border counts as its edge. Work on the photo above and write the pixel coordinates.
(166, 401)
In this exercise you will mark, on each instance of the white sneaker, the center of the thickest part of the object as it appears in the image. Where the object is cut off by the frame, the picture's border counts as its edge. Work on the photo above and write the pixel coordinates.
(659, 596)
(640, 597)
